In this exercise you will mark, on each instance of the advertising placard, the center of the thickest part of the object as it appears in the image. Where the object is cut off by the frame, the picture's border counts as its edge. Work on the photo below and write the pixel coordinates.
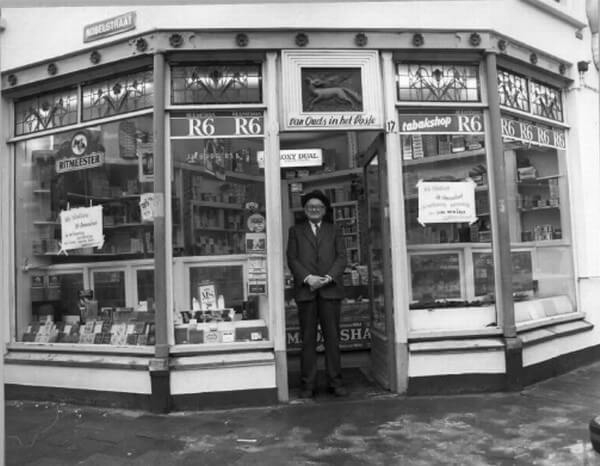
(289, 158)
(81, 228)
(533, 133)
(451, 123)
(446, 201)
(217, 125)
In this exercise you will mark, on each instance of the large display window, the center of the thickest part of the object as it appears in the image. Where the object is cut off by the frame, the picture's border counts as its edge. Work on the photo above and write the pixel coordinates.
(78, 216)
(448, 222)
(219, 227)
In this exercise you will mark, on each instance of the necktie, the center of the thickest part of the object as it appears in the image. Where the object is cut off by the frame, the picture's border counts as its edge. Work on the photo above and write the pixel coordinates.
(317, 228)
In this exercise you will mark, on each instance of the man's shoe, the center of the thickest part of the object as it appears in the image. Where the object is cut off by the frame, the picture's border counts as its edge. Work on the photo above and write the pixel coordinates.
(307, 393)
(338, 391)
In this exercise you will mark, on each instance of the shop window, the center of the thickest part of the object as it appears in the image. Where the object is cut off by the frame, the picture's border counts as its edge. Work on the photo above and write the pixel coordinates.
(219, 227)
(513, 90)
(527, 95)
(122, 94)
(427, 82)
(448, 223)
(543, 276)
(78, 207)
(47, 111)
(546, 101)
(216, 84)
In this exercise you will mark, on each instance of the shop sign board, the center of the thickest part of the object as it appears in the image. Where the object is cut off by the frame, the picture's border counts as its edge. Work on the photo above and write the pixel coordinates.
(81, 228)
(533, 133)
(353, 335)
(291, 158)
(331, 90)
(446, 201)
(208, 125)
(109, 27)
(453, 123)
(80, 154)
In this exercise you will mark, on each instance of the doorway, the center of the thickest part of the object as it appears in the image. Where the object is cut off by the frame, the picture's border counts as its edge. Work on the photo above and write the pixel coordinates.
(350, 169)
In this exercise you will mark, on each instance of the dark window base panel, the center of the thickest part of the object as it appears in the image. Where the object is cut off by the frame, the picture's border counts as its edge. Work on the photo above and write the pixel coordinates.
(79, 397)
(222, 400)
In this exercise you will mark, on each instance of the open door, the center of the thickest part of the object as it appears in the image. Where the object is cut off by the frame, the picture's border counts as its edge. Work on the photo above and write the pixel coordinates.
(379, 262)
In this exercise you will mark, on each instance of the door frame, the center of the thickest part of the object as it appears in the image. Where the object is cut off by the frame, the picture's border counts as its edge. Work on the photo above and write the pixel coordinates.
(381, 343)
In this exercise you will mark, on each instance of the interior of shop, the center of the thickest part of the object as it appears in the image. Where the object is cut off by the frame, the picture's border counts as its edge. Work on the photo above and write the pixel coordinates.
(340, 169)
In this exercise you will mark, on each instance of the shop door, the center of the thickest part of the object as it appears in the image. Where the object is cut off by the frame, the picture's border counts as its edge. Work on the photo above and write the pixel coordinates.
(379, 265)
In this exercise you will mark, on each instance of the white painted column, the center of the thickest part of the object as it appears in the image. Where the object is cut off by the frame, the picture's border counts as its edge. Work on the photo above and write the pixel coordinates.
(275, 243)
(400, 279)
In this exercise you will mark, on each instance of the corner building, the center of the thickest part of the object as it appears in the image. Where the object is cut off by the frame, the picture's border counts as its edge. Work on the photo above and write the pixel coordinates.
(154, 157)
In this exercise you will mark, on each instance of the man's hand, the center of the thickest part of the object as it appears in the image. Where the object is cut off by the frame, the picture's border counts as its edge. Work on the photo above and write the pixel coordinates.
(315, 282)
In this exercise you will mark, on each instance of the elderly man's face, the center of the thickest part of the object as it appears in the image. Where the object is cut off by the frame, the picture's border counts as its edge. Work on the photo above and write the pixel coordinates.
(314, 210)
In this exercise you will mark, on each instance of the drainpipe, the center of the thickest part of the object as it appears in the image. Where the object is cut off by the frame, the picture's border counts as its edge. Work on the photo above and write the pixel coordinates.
(159, 365)
(513, 347)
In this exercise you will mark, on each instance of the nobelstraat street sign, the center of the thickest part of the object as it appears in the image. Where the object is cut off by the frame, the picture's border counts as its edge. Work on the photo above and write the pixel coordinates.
(109, 27)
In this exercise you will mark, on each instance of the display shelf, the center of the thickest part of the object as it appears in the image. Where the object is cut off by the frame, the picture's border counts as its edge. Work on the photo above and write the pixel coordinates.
(41, 191)
(128, 225)
(451, 157)
(46, 223)
(217, 205)
(328, 176)
(89, 197)
(533, 209)
(537, 181)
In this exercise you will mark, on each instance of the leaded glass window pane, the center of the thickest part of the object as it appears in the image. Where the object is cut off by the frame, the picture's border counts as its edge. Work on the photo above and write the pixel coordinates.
(216, 84)
(545, 101)
(438, 82)
(121, 94)
(46, 111)
(513, 90)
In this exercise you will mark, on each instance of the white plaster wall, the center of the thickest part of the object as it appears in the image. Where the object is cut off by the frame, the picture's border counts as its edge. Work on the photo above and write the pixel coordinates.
(548, 350)
(216, 379)
(472, 362)
(110, 380)
(34, 34)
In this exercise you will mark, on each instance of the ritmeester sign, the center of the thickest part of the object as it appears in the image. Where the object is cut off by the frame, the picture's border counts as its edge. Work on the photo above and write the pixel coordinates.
(109, 27)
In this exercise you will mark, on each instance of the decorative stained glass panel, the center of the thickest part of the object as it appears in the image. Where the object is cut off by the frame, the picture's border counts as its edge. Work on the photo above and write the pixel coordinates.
(546, 101)
(216, 84)
(513, 90)
(438, 82)
(46, 111)
(118, 95)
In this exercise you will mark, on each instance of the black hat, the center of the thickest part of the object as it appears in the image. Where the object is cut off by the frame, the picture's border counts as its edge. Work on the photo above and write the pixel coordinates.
(316, 194)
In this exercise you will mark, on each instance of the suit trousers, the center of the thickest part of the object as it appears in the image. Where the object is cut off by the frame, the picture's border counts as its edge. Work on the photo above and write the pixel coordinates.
(327, 313)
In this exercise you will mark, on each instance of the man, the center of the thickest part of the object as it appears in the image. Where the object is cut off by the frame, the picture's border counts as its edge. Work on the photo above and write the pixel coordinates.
(317, 257)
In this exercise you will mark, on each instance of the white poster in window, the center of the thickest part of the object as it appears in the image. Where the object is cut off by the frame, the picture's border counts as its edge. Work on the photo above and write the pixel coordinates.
(257, 276)
(446, 201)
(81, 228)
(147, 207)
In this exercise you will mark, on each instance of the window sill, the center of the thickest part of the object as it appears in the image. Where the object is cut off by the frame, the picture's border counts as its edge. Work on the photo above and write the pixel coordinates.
(559, 330)
(443, 346)
(80, 348)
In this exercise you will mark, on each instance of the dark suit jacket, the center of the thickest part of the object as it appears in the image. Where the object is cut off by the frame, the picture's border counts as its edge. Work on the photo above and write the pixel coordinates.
(306, 255)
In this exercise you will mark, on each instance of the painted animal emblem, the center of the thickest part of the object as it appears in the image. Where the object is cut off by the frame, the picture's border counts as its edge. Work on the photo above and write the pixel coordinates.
(328, 91)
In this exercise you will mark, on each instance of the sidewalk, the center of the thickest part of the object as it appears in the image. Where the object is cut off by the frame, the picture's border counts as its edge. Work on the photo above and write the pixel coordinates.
(545, 424)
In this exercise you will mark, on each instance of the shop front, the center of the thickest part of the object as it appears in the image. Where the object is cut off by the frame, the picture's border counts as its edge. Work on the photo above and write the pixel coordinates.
(151, 194)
